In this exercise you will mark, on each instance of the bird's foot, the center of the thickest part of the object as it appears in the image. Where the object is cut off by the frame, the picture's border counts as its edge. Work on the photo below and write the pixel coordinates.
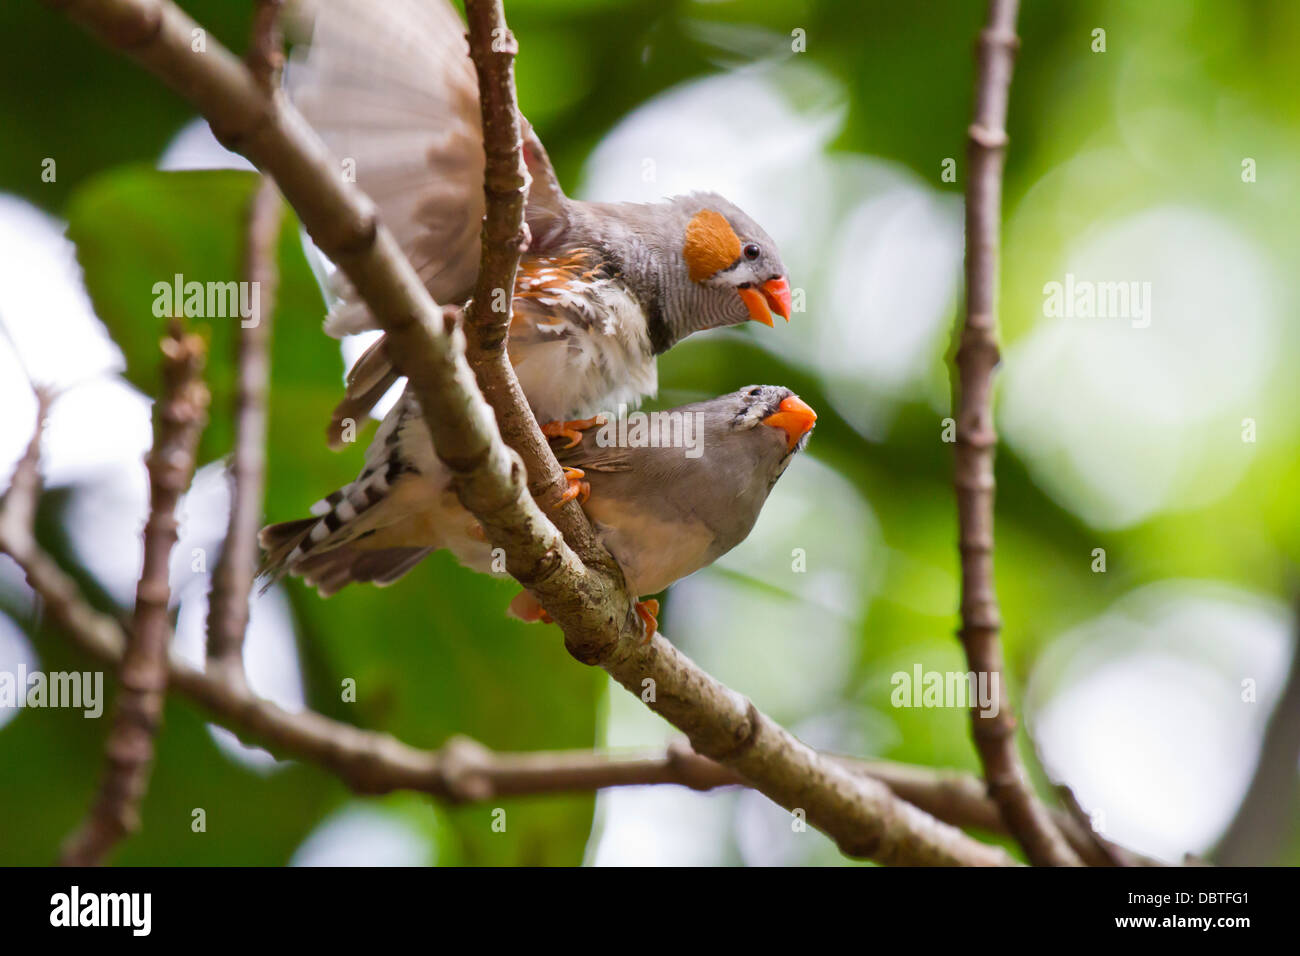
(525, 607)
(648, 611)
(572, 430)
(577, 488)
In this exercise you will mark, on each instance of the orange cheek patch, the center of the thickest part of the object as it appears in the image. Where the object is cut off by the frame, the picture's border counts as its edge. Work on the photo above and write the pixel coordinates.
(711, 244)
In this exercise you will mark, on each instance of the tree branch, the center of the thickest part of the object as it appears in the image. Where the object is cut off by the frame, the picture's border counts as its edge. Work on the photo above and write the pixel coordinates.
(375, 763)
(265, 56)
(179, 417)
(1093, 848)
(589, 602)
(505, 235)
(232, 579)
(977, 356)
(18, 507)
(492, 48)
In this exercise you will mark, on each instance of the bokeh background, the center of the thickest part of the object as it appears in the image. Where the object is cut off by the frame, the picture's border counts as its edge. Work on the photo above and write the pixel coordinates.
(1145, 687)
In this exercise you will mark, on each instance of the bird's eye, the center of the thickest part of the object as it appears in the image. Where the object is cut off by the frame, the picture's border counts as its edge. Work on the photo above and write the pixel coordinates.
(752, 251)
(755, 392)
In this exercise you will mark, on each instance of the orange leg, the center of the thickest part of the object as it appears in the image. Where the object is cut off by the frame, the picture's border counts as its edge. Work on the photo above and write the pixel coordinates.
(525, 607)
(531, 615)
(577, 487)
(648, 611)
(571, 430)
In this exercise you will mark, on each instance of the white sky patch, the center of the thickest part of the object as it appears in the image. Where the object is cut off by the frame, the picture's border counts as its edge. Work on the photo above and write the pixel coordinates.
(50, 333)
(1140, 711)
(194, 147)
(692, 138)
(365, 835)
(895, 271)
(16, 656)
(1121, 422)
(42, 302)
(98, 429)
(663, 826)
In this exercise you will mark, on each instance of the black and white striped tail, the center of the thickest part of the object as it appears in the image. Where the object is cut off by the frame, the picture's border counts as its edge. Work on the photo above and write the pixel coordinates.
(322, 548)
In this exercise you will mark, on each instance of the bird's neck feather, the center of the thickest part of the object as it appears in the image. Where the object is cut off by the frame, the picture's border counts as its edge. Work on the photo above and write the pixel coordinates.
(652, 266)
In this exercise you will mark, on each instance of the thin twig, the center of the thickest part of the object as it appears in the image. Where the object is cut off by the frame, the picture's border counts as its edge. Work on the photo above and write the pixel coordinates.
(962, 799)
(1093, 848)
(493, 48)
(265, 57)
(18, 512)
(232, 578)
(180, 414)
(977, 357)
(589, 602)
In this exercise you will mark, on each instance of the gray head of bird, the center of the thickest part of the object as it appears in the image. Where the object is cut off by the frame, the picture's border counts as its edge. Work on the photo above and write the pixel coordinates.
(758, 428)
(704, 264)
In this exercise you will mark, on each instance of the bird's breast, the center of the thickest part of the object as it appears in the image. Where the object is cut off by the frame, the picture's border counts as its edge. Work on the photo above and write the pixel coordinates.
(653, 551)
(582, 348)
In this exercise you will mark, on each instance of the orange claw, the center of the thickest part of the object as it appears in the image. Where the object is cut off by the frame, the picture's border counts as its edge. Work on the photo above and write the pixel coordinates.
(648, 611)
(577, 487)
(571, 430)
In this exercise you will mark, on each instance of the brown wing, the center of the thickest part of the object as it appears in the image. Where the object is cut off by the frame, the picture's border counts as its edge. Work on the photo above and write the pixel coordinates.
(389, 86)
(547, 314)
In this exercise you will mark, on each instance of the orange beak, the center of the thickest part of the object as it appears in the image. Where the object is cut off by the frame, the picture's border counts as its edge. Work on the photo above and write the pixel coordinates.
(794, 417)
(772, 296)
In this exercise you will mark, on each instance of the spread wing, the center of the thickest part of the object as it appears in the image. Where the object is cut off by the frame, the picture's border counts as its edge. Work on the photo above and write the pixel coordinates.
(577, 341)
(389, 86)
